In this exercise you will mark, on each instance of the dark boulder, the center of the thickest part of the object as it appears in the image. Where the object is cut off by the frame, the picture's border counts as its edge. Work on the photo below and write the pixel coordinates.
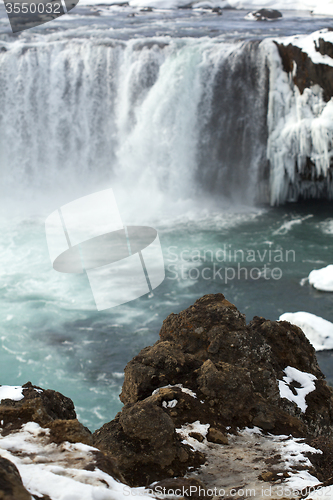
(265, 15)
(11, 486)
(144, 441)
(217, 10)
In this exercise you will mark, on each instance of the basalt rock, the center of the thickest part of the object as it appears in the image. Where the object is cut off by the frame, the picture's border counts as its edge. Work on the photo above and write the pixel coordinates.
(210, 366)
(144, 440)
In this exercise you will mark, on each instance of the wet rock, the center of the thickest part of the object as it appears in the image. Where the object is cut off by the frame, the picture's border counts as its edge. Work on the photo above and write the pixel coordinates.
(196, 435)
(193, 329)
(217, 10)
(152, 368)
(209, 349)
(11, 486)
(147, 421)
(268, 476)
(264, 15)
(105, 463)
(38, 405)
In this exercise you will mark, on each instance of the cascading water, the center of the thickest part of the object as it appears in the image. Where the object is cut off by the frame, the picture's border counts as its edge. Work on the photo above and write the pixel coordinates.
(182, 117)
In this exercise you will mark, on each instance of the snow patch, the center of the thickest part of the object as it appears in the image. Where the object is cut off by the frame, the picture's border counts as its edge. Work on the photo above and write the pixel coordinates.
(197, 427)
(169, 404)
(322, 279)
(13, 392)
(306, 380)
(318, 330)
(293, 451)
(184, 389)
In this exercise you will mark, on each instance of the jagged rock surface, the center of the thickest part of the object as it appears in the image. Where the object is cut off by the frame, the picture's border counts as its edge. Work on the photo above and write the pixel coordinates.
(233, 370)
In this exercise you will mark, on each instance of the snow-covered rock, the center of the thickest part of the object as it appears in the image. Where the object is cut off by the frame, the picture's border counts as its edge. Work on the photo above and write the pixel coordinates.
(61, 471)
(306, 382)
(264, 15)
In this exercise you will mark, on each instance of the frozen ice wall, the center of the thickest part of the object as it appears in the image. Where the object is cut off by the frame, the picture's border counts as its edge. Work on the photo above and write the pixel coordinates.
(300, 125)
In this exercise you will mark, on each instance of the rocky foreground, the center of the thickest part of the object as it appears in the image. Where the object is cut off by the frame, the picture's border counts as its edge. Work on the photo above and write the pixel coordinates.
(215, 408)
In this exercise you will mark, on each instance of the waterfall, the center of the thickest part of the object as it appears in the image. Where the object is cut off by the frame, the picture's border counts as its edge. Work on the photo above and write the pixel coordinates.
(181, 117)
(177, 118)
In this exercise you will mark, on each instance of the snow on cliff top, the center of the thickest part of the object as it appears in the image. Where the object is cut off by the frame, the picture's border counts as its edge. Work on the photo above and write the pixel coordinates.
(308, 44)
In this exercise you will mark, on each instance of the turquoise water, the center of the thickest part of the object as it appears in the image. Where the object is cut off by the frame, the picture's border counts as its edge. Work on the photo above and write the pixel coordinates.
(52, 334)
